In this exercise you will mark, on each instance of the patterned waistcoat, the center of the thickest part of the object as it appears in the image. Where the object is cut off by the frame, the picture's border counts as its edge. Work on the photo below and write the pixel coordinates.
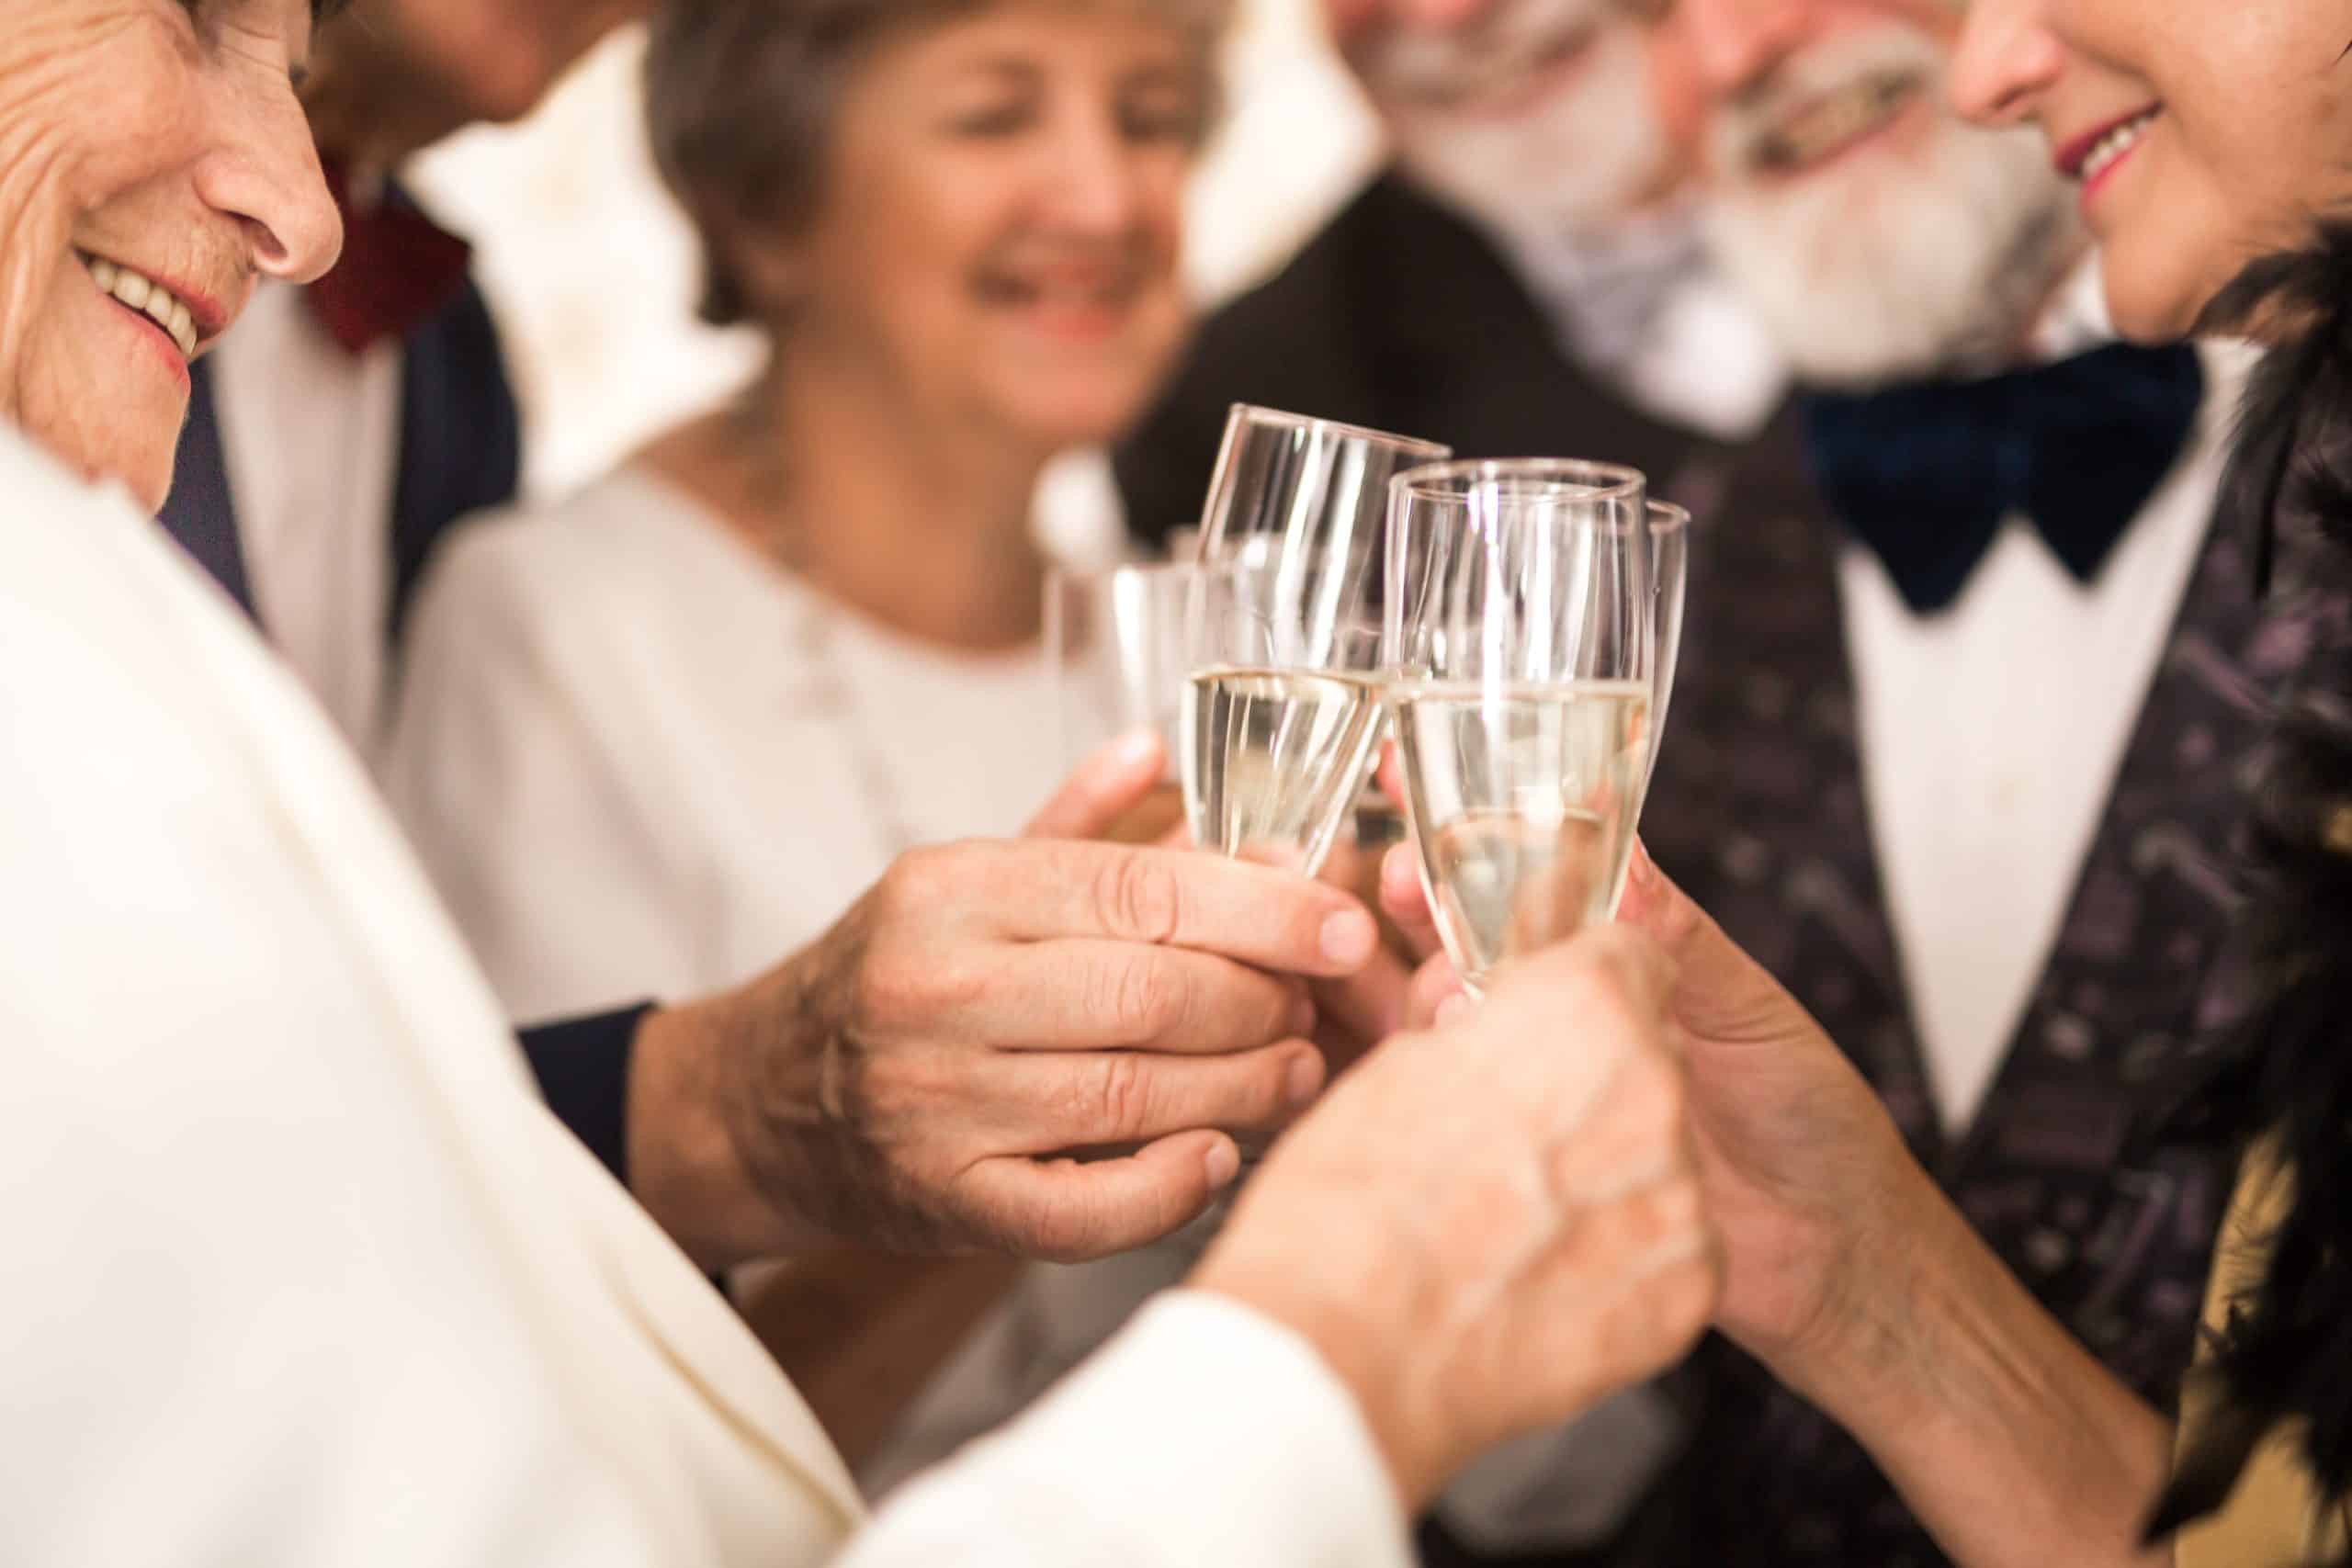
(1758, 811)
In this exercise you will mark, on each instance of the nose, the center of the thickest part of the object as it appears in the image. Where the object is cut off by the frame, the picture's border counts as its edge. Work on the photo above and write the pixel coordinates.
(262, 170)
(1093, 184)
(2006, 61)
(1726, 46)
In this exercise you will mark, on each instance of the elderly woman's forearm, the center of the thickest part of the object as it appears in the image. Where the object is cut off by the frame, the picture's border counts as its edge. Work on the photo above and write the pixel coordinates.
(2010, 1440)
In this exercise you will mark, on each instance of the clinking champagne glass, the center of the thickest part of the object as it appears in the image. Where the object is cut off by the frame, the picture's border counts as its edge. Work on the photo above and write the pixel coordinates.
(1118, 644)
(1520, 635)
(1283, 706)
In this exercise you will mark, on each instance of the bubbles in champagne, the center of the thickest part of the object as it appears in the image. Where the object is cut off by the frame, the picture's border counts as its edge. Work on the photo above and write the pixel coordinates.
(1274, 760)
(1523, 801)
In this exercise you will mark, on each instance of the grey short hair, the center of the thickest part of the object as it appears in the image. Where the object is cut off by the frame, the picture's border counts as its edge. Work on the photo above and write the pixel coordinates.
(742, 95)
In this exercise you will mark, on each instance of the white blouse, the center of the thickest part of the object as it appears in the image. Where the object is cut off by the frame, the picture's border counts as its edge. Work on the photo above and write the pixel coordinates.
(640, 759)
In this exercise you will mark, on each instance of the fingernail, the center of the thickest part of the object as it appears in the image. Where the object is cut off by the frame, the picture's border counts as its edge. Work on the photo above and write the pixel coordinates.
(1349, 937)
(1134, 750)
(1305, 1081)
(1454, 1010)
(1223, 1164)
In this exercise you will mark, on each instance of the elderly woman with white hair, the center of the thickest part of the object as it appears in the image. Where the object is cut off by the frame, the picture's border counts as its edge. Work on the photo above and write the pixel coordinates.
(299, 1270)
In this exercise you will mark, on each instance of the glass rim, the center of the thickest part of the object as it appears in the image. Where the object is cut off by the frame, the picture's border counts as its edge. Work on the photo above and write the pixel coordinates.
(1281, 419)
(1666, 517)
(1604, 481)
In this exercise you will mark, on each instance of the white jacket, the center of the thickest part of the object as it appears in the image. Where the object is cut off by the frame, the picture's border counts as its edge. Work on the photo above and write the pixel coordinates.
(295, 1268)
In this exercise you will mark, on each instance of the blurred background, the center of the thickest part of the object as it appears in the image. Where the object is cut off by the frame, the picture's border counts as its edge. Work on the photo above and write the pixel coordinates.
(592, 272)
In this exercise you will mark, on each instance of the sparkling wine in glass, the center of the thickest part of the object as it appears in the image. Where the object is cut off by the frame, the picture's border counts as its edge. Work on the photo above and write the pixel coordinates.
(1520, 629)
(1283, 708)
(1280, 721)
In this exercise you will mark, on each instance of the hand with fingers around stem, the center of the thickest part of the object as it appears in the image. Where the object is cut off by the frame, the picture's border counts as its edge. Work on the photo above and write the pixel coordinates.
(1800, 1157)
(933, 1074)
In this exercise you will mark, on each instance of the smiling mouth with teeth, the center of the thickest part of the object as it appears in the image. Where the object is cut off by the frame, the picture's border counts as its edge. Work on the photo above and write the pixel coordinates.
(135, 291)
(2114, 144)
(1113, 292)
(1828, 125)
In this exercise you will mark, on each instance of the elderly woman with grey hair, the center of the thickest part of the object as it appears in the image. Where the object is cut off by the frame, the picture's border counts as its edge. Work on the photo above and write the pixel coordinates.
(958, 227)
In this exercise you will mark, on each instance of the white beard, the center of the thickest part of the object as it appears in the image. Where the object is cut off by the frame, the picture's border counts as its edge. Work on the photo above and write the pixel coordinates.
(1571, 163)
(1891, 266)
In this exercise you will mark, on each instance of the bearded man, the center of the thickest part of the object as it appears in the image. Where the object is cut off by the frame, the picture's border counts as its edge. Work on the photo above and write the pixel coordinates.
(1526, 276)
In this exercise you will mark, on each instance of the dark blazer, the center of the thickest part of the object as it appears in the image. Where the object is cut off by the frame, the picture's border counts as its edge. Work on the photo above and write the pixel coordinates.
(1401, 317)
(461, 438)
(459, 451)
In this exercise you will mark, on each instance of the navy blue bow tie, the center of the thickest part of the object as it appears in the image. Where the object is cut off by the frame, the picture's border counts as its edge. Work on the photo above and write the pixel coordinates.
(1926, 474)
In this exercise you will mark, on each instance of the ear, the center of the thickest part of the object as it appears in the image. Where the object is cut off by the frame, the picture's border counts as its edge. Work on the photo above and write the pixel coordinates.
(774, 274)
(769, 268)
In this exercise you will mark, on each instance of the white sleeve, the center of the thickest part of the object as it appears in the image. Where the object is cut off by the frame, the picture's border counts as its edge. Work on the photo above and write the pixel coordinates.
(502, 767)
(1201, 1434)
(273, 1292)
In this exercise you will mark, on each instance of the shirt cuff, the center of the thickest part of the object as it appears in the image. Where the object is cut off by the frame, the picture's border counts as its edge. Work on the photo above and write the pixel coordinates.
(1226, 1438)
(582, 1069)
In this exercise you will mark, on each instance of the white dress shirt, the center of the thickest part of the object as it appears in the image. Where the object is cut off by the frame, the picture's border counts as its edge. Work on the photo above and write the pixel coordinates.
(300, 1271)
(311, 433)
(626, 768)
(1990, 735)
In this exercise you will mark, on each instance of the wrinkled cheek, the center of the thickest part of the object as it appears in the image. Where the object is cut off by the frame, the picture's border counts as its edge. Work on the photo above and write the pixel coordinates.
(98, 419)
(28, 262)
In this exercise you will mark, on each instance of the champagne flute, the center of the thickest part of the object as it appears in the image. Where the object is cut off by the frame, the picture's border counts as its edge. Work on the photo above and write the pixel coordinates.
(1282, 709)
(1520, 634)
(1117, 642)
(1310, 482)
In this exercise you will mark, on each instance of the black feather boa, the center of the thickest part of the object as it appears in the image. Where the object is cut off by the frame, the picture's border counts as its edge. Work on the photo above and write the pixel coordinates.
(2283, 1076)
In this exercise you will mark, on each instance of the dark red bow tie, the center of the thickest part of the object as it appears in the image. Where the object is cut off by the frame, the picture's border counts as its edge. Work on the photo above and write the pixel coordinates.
(399, 268)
